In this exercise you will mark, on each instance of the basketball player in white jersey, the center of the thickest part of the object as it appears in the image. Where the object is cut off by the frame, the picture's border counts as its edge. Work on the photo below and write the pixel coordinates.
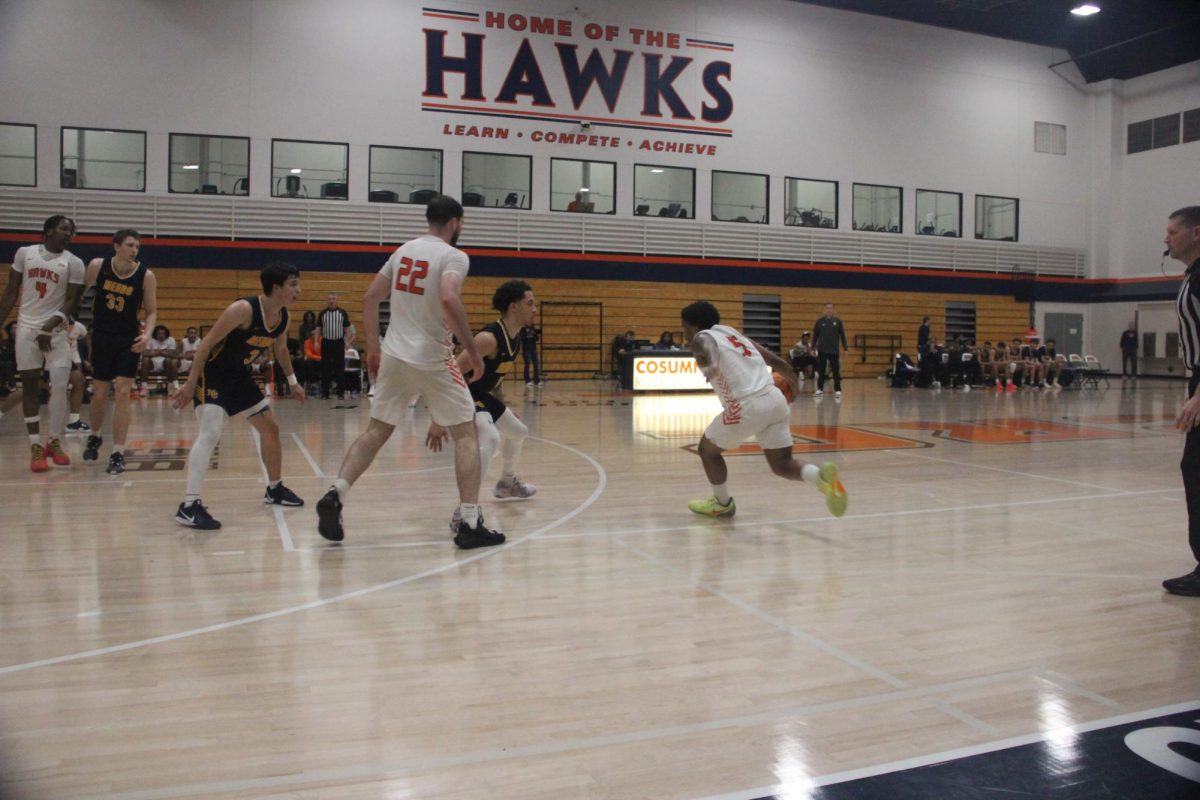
(736, 366)
(423, 280)
(49, 280)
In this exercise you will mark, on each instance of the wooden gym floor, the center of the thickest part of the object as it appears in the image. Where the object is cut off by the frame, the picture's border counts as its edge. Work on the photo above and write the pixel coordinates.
(997, 577)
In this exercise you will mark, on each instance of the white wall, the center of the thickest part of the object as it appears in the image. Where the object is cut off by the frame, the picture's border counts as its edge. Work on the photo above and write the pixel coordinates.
(1147, 186)
(817, 92)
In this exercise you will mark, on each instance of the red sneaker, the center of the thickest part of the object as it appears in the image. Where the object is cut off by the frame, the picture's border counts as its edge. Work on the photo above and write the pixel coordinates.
(57, 454)
(37, 460)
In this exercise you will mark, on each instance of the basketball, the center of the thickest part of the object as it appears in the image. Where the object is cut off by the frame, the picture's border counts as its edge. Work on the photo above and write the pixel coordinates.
(782, 385)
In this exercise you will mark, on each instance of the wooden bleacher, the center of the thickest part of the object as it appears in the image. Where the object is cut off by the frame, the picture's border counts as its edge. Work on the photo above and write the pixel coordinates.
(196, 297)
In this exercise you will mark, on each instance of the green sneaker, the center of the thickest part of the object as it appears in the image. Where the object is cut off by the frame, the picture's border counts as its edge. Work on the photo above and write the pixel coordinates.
(712, 507)
(831, 486)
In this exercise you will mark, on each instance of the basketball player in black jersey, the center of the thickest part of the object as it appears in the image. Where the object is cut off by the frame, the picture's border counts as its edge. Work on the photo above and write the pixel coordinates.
(220, 385)
(123, 284)
(497, 426)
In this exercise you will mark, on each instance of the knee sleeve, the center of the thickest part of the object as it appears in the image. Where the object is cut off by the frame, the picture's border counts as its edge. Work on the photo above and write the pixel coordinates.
(512, 437)
(489, 440)
(212, 421)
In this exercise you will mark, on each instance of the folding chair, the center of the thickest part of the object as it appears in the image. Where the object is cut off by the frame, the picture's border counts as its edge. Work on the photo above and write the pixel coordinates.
(1073, 372)
(1095, 372)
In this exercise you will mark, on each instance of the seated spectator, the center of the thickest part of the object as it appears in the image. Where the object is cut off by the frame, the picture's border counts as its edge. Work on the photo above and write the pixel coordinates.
(803, 357)
(971, 369)
(1051, 364)
(665, 342)
(621, 344)
(904, 371)
(187, 349)
(161, 357)
(309, 369)
(307, 324)
(1034, 369)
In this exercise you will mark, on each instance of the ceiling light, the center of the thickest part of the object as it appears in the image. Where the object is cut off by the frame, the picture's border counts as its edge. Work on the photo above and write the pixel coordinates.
(296, 171)
(584, 189)
(191, 166)
(656, 170)
(1086, 10)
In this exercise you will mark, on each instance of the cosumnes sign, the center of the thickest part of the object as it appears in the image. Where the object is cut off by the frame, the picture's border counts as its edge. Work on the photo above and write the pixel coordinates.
(667, 373)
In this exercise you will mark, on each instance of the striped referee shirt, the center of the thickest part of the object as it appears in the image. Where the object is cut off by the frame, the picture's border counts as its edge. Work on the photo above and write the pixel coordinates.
(1187, 306)
(333, 322)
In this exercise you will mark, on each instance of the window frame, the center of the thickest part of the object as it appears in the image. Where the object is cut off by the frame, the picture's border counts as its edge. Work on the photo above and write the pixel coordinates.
(171, 160)
(1016, 218)
(346, 145)
(612, 164)
(463, 171)
(899, 213)
(712, 202)
(441, 176)
(917, 205)
(664, 167)
(62, 133)
(35, 153)
(837, 199)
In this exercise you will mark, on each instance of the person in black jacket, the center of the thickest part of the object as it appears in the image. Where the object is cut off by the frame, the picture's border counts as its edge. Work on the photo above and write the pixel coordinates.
(1129, 352)
(529, 337)
(828, 332)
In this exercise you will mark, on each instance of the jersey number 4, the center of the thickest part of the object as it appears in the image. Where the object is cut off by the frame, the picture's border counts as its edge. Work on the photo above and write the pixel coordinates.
(413, 272)
(41, 288)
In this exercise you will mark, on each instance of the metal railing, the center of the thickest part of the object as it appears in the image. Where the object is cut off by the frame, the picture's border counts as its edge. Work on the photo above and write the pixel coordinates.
(239, 218)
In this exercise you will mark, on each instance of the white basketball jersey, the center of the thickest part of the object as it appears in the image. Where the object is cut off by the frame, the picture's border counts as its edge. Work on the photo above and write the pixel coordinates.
(417, 332)
(44, 282)
(739, 370)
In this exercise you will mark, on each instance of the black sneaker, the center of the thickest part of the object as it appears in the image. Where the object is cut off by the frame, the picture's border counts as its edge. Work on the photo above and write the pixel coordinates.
(329, 516)
(195, 515)
(281, 496)
(78, 426)
(92, 451)
(1185, 585)
(479, 536)
(116, 463)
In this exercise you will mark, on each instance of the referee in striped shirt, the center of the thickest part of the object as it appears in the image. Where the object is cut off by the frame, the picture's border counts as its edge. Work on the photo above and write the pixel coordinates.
(1183, 244)
(333, 322)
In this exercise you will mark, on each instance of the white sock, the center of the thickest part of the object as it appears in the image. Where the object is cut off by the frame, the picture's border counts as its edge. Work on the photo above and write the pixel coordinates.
(469, 513)
(35, 438)
(810, 473)
(273, 484)
(73, 419)
(722, 493)
(342, 487)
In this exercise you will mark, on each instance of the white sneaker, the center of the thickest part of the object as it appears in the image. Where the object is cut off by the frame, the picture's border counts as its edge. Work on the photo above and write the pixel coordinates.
(144, 390)
(837, 395)
(818, 393)
(371, 392)
(514, 488)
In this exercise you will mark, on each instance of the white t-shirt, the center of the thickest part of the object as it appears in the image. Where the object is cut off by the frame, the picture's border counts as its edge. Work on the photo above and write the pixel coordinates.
(156, 348)
(739, 371)
(44, 282)
(76, 332)
(189, 347)
(417, 332)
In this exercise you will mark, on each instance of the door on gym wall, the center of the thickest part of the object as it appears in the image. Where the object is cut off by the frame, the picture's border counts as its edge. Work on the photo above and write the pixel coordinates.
(1067, 332)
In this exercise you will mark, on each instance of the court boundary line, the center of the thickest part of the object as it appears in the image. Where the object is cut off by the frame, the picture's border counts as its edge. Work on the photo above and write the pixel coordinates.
(597, 492)
(928, 759)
